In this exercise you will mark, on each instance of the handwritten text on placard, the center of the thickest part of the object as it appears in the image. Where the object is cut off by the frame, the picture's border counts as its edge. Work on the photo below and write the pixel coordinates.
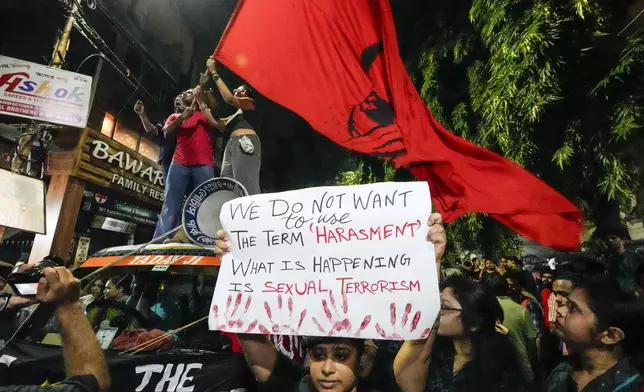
(342, 261)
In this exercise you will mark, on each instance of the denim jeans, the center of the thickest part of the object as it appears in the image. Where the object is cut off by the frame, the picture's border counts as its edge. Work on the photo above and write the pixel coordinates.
(179, 177)
(242, 166)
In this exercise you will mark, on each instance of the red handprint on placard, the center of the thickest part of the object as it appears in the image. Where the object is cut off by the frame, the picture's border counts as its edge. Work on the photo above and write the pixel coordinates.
(233, 317)
(339, 322)
(403, 323)
(281, 327)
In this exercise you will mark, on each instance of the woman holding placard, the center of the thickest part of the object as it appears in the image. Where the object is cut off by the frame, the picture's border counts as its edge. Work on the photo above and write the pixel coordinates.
(467, 349)
(336, 364)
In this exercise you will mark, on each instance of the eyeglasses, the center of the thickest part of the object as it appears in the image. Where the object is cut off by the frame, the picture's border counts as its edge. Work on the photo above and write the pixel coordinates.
(447, 309)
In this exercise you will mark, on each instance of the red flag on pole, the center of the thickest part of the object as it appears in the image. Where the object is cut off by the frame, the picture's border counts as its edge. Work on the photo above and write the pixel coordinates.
(336, 64)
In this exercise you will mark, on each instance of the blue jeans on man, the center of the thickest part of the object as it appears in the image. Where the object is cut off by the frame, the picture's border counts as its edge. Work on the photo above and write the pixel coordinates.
(165, 168)
(176, 185)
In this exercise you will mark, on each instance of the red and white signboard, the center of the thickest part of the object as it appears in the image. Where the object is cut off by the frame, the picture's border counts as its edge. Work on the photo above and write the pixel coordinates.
(39, 92)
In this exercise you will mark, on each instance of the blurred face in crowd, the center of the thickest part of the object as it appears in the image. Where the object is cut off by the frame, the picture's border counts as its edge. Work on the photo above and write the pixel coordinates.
(112, 291)
(489, 265)
(546, 279)
(562, 288)
(451, 324)
(333, 366)
(178, 104)
(97, 288)
(514, 288)
(614, 243)
(187, 97)
(511, 264)
(241, 92)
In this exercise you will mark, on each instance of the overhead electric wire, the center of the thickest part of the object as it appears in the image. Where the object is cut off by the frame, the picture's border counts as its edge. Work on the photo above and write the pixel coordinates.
(631, 22)
(94, 39)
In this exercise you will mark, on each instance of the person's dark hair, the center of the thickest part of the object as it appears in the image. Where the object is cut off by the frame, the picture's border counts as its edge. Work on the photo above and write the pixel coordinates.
(543, 268)
(309, 342)
(516, 260)
(518, 276)
(620, 232)
(614, 308)
(574, 278)
(122, 282)
(497, 285)
(581, 264)
(481, 311)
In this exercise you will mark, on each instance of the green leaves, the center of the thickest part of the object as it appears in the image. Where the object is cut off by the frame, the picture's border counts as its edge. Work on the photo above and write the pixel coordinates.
(581, 7)
(562, 156)
(548, 84)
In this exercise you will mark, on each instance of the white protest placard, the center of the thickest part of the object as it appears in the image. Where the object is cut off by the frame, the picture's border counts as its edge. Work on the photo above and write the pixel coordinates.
(39, 92)
(332, 261)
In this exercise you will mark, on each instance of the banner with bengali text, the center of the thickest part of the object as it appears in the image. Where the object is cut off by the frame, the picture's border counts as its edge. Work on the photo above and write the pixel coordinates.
(43, 93)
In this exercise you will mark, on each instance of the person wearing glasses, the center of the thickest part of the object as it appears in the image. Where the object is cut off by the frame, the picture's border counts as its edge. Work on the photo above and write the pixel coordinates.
(467, 352)
(336, 364)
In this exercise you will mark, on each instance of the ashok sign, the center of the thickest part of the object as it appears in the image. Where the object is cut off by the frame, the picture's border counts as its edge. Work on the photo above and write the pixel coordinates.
(39, 92)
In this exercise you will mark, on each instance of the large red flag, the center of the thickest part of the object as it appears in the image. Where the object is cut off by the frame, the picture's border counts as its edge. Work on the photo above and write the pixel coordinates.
(336, 64)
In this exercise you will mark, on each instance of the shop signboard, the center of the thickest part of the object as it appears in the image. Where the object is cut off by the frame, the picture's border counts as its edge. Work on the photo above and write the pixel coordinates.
(107, 163)
(38, 92)
(82, 251)
(112, 207)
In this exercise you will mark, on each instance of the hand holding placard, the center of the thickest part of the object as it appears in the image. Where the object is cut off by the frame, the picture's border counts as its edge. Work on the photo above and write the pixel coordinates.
(330, 261)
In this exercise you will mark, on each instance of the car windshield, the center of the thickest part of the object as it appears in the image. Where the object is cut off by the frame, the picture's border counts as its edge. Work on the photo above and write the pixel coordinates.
(139, 309)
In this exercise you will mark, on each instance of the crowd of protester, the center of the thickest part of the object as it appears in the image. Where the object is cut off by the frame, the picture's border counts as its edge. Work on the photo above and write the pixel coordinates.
(191, 137)
(572, 324)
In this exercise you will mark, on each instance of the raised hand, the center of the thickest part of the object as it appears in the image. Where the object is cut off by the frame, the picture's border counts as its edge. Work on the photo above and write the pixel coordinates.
(437, 236)
(405, 323)
(187, 113)
(211, 66)
(139, 108)
(204, 78)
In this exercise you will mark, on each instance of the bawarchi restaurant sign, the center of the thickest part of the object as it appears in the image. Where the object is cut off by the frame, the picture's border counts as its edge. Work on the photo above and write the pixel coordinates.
(39, 92)
(109, 164)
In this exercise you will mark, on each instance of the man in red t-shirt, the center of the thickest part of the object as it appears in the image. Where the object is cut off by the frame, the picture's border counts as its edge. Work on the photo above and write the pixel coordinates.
(193, 157)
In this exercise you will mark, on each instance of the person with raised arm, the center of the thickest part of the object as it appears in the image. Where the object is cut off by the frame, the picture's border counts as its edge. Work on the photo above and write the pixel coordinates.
(168, 144)
(193, 158)
(243, 154)
(85, 363)
(336, 363)
(467, 349)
